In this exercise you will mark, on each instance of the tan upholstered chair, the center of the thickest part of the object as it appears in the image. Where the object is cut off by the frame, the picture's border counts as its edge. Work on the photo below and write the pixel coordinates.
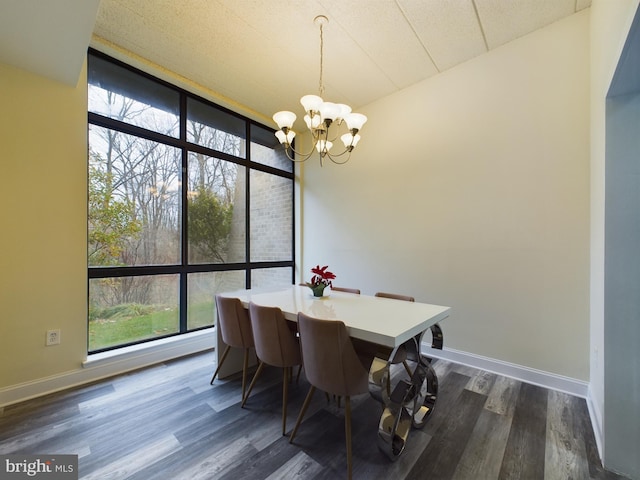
(276, 345)
(395, 296)
(235, 330)
(401, 353)
(331, 364)
(345, 289)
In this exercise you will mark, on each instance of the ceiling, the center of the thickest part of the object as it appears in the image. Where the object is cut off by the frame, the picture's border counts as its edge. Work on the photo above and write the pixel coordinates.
(266, 53)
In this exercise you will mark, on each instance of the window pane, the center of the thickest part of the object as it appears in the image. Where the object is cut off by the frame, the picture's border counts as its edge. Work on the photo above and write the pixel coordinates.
(216, 204)
(271, 277)
(202, 289)
(124, 310)
(134, 200)
(266, 149)
(124, 95)
(271, 217)
(213, 128)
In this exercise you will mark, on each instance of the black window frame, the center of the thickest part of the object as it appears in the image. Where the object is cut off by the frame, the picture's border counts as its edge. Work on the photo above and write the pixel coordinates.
(183, 269)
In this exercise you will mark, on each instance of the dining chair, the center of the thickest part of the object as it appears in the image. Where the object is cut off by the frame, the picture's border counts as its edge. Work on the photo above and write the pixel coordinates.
(345, 289)
(331, 364)
(235, 330)
(395, 296)
(276, 345)
(401, 353)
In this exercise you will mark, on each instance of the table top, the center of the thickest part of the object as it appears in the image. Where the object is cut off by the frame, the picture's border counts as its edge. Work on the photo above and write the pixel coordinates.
(380, 320)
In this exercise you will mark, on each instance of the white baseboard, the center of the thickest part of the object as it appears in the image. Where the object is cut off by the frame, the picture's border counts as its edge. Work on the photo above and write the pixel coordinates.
(596, 421)
(112, 363)
(519, 372)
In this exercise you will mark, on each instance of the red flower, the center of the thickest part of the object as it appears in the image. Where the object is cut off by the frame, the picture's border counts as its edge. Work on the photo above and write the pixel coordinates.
(321, 276)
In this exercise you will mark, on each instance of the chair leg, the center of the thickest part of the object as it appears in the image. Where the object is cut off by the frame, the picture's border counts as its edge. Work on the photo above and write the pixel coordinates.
(245, 365)
(253, 382)
(305, 405)
(347, 430)
(298, 377)
(224, 356)
(285, 387)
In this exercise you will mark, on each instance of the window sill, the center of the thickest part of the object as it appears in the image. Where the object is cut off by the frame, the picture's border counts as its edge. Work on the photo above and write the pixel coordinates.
(136, 356)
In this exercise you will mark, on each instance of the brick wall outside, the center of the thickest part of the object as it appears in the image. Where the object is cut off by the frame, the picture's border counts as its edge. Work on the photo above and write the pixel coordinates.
(271, 222)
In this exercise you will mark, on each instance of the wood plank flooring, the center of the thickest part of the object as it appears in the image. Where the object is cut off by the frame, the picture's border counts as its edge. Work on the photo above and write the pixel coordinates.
(167, 422)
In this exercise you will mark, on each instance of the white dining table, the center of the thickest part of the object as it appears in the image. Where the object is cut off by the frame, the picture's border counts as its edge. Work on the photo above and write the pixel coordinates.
(380, 320)
(397, 325)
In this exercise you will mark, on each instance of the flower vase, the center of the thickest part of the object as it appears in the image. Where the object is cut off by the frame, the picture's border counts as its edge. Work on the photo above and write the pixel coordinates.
(318, 290)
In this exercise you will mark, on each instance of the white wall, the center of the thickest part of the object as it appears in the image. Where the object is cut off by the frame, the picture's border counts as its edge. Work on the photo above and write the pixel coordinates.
(471, 189)
(615, 386)
(610, 23)
(622, 281)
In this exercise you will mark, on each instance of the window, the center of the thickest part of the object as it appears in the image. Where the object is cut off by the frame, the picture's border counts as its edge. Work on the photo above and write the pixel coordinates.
(186, 199)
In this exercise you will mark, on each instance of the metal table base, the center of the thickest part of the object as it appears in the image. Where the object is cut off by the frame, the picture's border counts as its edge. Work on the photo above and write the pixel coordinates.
(407, 401)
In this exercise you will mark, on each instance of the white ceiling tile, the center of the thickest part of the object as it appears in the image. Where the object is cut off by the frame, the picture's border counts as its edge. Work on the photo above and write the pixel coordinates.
(382, 32)
(504, 21)
(449, 30)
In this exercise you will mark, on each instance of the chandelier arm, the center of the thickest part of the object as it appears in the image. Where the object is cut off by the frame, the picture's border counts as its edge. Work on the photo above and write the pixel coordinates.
(305, 156)
(332, 157)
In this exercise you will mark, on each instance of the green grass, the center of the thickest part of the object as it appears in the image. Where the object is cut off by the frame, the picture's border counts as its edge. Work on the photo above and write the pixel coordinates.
(200, 314)
(129, 323)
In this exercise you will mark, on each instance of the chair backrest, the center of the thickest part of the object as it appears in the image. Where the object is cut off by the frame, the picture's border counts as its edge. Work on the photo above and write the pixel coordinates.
(395, 296)
(275, 342)
(330, 361)
(233, 322)
(345, 289)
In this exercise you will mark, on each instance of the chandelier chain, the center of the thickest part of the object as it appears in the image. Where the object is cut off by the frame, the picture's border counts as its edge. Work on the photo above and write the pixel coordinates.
(321, 86)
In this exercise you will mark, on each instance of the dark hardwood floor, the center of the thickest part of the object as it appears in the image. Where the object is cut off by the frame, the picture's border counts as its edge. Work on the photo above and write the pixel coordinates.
(167, 422)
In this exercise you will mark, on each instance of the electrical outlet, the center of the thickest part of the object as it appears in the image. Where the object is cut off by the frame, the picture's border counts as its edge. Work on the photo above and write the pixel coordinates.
(53, 337)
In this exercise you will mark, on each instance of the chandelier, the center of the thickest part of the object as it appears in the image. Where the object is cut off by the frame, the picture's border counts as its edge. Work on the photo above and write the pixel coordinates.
(323, 120)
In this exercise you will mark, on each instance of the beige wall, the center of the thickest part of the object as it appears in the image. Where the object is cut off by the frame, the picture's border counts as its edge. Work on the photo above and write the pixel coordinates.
(471, 189)
(43, 153)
